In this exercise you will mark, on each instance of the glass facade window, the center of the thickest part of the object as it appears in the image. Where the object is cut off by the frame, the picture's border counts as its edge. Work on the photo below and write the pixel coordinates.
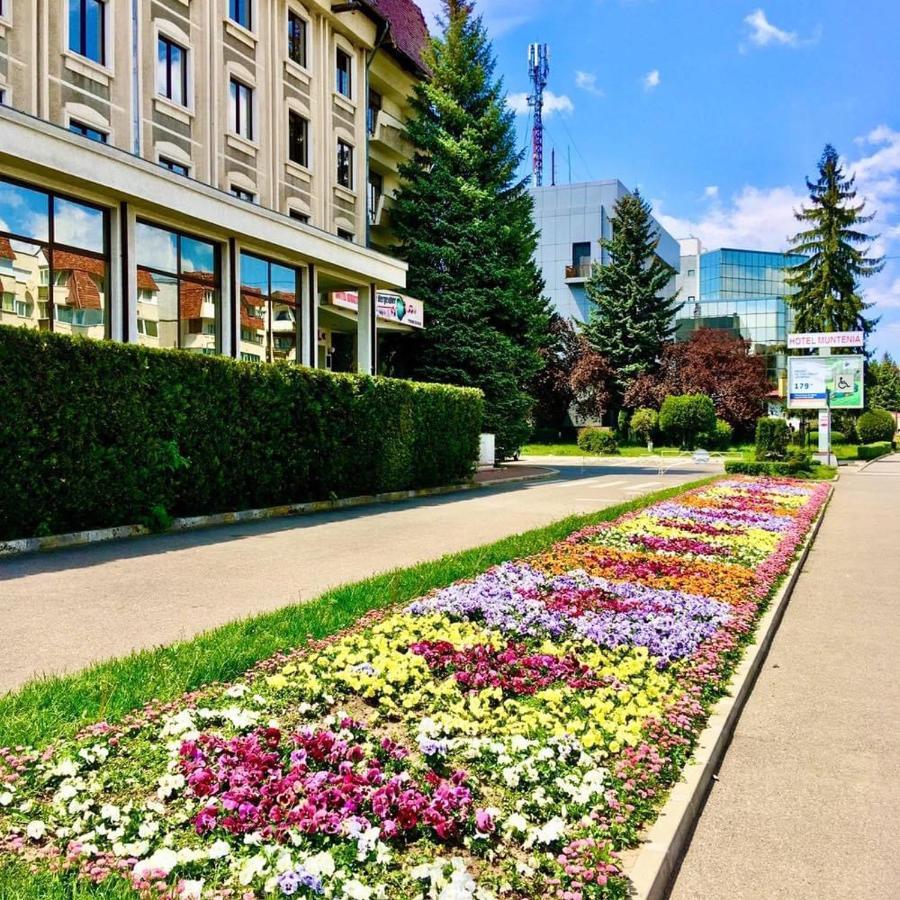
(297, 38)
(54, 262)
(241, 194)
(298, 139)
(376, 190)
(87, 29)
(179, 290)
(345, 165)
(171, 71)
(372, 111)
(270, 311)
(241, 99)
(86, 131)
(344, 67)
(240, 11)
(172, 166)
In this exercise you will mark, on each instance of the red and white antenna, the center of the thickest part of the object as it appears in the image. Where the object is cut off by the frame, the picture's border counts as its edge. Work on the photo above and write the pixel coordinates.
(539, 72)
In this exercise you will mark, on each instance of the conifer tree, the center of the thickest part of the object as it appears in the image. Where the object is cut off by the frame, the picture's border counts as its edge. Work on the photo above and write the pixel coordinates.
(827, 296)
(630, 319)
(465, 225)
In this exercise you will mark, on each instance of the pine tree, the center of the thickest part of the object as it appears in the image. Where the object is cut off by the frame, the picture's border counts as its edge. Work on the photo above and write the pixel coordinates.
(630, 320)
(827, 294)
(465, 225)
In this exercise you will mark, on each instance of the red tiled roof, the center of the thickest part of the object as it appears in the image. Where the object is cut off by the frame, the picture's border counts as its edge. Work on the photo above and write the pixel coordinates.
(84, 292)
(250, 299)
(194, 293)
(146, 282)
(6, 250)
(285, 297)
(409, 33)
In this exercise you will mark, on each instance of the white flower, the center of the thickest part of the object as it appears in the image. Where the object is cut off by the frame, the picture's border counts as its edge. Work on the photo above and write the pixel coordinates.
(191, 890)
(254, 839)
(66, 769)
(218, 850)
(66, 791)
(254, 866)
(357, 890)
(148, 829)
(163, 860)
(551, 831)
(178, 724)
(322, 864)
(168, 784)
(236, 691)
(6, 798)
(110, 812)
(241, 719)
(36, 829)
(516, 822)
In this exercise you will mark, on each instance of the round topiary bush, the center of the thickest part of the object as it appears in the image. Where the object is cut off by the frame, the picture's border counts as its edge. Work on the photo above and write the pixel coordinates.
(644, 423)
(875, 425)
(684, 418)
(597, 440)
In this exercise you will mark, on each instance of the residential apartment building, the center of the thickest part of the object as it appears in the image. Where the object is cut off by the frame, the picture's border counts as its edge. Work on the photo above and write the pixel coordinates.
(743, 291)
(571, 220)
(207, 175)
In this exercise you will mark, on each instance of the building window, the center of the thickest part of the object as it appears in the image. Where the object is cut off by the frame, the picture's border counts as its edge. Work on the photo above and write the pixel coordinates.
(171, 71)
(2, 90)
(344, 73)
(298, 139)
(345, 165)
(345, 235)
(376, 190)
(299, 216)
(88, 132)
(241, 109)
(581, 259)
(241, 194)
(87, 29)
(178, 285)
(270, 325)
(56, 283)
(691, 273)
(297, 39)
(239, 11)
(372, 111)
(176, 167)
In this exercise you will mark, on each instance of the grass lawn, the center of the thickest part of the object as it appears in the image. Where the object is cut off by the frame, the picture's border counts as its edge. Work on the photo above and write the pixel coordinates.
(49, 708)
(735, 452)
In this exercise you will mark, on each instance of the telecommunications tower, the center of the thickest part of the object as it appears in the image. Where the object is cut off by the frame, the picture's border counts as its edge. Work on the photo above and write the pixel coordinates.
(539, 72)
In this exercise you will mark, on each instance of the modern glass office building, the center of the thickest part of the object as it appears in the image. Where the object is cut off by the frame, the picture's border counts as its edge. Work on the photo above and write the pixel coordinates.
(744, 291)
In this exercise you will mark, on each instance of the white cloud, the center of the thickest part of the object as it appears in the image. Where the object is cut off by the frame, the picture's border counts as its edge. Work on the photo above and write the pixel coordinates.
(651, 80)
(711, 191)
(587, 81)
(500, 16)
(553, 103)
(763, 32)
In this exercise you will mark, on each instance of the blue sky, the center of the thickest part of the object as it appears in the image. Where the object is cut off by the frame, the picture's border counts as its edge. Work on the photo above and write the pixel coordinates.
(718, 109)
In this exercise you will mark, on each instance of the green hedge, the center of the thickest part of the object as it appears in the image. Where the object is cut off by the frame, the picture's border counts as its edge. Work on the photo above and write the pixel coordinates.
(736, 467)
(598, 440)
(772, 436)
(873, 451)
(875, 426)
(94, 434)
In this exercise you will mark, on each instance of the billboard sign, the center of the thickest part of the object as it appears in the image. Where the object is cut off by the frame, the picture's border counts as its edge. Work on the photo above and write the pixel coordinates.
(815, 340)
(810, 378)
(389, 307)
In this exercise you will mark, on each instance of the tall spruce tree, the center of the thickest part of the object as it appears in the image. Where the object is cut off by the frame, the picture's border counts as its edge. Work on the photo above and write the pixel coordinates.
(465, 225)
(827, 296)
(630, 320)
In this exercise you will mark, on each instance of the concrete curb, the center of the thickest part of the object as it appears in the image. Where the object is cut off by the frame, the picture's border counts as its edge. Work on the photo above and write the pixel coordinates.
(653, 867)
(191, 523)
(869, 462)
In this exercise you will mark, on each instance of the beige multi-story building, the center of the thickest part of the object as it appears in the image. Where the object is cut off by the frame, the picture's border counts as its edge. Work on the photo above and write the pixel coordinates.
(210, 175)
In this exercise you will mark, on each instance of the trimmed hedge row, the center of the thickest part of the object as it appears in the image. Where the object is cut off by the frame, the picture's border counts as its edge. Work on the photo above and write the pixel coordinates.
(738, 467)
(95, 434)
(873, 451)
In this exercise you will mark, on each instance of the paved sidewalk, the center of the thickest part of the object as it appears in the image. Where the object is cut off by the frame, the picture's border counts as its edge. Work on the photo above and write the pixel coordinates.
(61, 611)
(807, 804)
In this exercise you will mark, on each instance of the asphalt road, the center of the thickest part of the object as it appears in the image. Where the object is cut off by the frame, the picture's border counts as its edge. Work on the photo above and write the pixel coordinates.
(61, 611)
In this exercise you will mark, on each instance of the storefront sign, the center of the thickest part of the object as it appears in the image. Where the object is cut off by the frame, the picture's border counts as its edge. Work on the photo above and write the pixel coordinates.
(390, 307)
(812, 378)
(814, 340)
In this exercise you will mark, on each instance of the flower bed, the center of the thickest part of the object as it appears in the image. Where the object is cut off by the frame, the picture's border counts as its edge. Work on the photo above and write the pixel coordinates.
(502, 737)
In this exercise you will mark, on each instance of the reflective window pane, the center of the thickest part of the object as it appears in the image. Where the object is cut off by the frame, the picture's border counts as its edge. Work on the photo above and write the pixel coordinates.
(24, 284)
(156, 248)
(23, 211)
(79, 293)
(78, 225)
(197, 257)
(157, 309)
(199, 316)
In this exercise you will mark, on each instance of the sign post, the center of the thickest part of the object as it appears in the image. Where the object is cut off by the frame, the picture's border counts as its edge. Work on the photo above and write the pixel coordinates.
(825, 382)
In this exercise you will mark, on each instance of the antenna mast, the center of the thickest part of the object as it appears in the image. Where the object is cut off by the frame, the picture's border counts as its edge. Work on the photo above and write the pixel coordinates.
(539, 72)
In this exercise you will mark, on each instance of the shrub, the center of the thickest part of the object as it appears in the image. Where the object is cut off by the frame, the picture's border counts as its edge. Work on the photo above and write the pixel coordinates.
(98, 434)
(597, 440)
(720, 438)
(644, 423)
(873, 451)
(772, 436)
(685, 417)
(876, 425)
(837, 437)
(622, 425)
(778, 469)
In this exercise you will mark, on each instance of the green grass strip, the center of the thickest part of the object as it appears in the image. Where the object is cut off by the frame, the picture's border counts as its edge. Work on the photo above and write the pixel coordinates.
(53, 707)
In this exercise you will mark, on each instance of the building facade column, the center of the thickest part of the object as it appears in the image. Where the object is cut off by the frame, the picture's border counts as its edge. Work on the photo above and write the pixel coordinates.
(308, 324)
(366, 341)
(230, 305)
(123, 277)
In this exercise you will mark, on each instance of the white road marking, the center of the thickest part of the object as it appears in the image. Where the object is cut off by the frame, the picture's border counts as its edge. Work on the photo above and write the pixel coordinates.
(589, 483)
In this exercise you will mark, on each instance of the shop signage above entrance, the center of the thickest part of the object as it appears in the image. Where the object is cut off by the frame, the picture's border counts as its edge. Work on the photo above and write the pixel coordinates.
(815, 340)
(390, 307)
